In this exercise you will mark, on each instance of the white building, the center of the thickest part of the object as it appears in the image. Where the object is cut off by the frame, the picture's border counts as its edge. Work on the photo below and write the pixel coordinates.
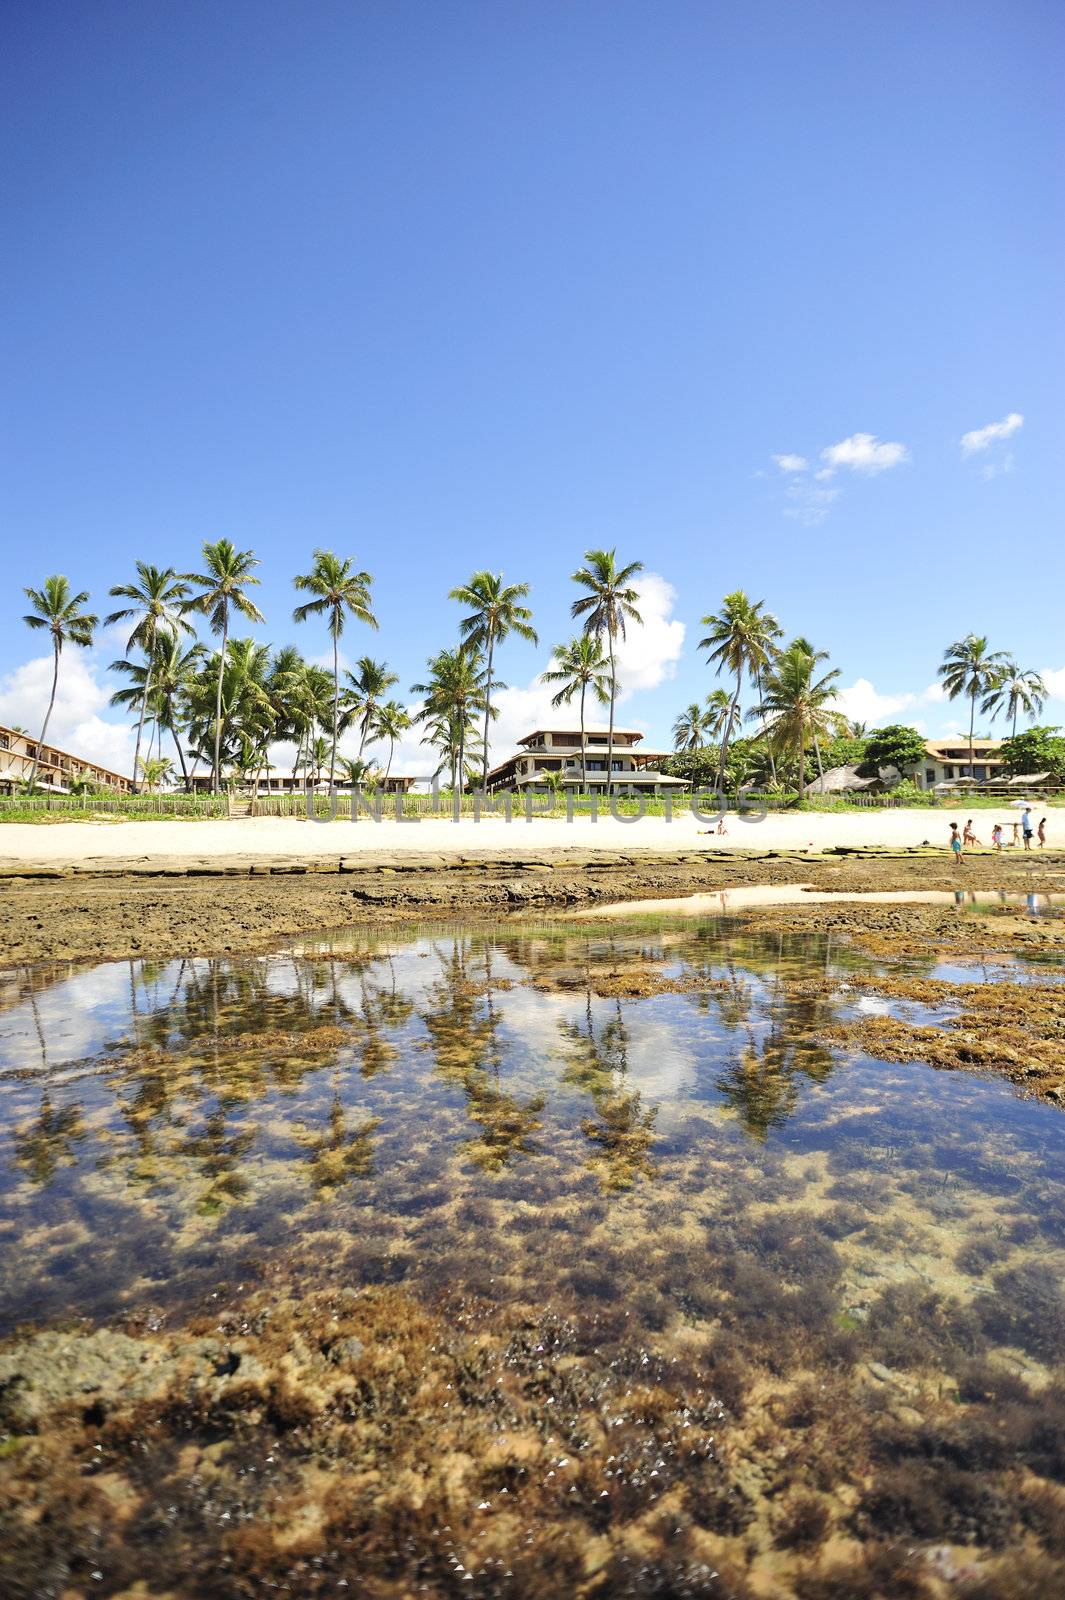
(57, 769)
(550, 752)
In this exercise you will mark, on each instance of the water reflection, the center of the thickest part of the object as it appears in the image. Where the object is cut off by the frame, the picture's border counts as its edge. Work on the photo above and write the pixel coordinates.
(454, 1106)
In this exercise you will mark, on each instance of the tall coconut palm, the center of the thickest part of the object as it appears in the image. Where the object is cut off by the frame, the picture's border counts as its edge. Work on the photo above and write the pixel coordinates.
(607, 607)
(1015, 689)
(339, 592)
(799, 706)
(970, 668)
(223, 589)
(580, 665)
(741, 639)
(366, 690)
(158, 601)
(452, 694)
(495, 611)
(390, 722)
(173, 672)
(156, 771)
(60, 611)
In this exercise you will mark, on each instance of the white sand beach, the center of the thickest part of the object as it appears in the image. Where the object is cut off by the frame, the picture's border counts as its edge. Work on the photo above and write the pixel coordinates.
(74, 843)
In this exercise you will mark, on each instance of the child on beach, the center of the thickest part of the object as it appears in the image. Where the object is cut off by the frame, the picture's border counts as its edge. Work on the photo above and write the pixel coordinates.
(969, 837)
(955, 843)
(996, 836)
(1042, 833)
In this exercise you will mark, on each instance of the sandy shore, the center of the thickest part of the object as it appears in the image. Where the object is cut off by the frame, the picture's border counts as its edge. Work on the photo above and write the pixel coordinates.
(74, 843)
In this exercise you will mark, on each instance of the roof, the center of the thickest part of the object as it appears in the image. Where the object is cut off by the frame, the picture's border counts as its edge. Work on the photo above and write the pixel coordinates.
(838, 780)
(64, 755)
(575, 733)
(961, 742)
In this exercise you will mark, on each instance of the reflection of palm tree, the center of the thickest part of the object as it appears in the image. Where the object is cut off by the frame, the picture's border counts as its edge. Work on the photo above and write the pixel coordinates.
(48, 1142)
(464, 1034)
(623, 1132)
(341, 1154)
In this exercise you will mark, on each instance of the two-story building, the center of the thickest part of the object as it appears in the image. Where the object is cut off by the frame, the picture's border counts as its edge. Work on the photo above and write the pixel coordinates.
(947, 760)
(57, 769)
(556, 752)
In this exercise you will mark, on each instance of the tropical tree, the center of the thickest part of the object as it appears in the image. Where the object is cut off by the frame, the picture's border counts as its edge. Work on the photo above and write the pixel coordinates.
(689, 729)
(721, 717)
(174, 673)
(223, 589)
(158, 599)
(580, 666)
(367, 687)
(495, 611)
(339, 591)
(741, 638)
(391, 722)
(452, 695)
(1015, 689)
(798, 705)
(970, 668)
(241, 703)
(60, 611)
(155, 770)
(608, 605)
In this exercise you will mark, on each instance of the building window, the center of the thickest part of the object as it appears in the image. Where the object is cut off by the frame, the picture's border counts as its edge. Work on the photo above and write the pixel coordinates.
(930, 776)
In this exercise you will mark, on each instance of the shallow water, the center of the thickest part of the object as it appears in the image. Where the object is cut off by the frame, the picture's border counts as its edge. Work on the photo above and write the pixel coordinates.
(495, 1110)
(643, 1287)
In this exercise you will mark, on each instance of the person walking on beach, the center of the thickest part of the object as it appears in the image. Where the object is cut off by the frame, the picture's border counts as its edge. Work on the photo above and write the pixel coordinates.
(1042, 834)
(996, 836)
(1026, 826)
(955, 843)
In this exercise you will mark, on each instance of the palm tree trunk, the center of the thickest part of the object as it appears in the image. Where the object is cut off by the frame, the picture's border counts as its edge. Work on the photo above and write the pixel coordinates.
(610, 733)
(972, 719)
(487, 709)
(216, 771)
(584, 742)
(769, 746)
(462, 754)
(733, 708)
(140, 730)
(388, 768)
(820, 768)
(47, 717)
(181, 758)
(802, 764)
(336, 710)
(365, 729)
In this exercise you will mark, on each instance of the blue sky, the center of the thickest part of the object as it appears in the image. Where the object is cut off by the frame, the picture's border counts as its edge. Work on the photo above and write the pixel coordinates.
(455, 285)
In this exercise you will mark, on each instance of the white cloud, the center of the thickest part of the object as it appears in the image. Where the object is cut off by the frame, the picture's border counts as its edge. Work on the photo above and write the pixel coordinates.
(809, 505)
(76, 724)
(979, 438)
(862, 702)
(788, 463)
(649, 653)
(864, 452)
(1054, 678)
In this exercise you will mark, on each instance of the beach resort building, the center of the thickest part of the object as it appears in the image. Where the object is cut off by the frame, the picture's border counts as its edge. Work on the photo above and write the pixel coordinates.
(57, 770)
(285, 783)
(947, 760)
(549, 753)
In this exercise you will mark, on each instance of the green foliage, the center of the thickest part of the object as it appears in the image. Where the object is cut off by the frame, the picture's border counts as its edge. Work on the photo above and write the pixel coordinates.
(894, 746)
(1035, 750)
(843, 750)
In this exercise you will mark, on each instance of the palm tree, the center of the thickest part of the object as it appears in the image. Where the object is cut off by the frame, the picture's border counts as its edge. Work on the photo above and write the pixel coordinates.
(721, 718)
(55, 608)
(580, 665)
(453, 693)
(1015, 689)
(158, 600)
(228, 576)
(173, 674)
(689, 730)
(155, 771)
(338, 591)
(969, 668)
(391, 722)
(797, 705)
(741, 638)
(494, 612)
(367, 687)
(609, 604)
